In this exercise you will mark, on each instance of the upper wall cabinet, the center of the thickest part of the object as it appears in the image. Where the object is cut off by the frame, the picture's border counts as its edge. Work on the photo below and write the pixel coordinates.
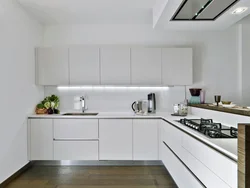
(52, 66)
(84, 66)
(146, 66)
(115, 65)
(177, 66)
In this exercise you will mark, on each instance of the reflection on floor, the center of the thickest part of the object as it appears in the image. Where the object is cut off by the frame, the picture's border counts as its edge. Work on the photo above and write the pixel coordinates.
(94, 177)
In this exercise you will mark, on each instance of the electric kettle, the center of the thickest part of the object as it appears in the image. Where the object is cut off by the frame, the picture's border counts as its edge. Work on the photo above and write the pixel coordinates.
(140, 107)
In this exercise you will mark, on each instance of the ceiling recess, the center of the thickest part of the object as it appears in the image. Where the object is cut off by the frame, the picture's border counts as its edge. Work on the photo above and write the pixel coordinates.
(202, 10)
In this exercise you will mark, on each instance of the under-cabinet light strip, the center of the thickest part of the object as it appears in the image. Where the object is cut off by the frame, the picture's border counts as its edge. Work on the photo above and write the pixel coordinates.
(110, 88)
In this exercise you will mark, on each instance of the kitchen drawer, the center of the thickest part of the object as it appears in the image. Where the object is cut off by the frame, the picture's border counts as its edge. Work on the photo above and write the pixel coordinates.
(219, 164)
(171, 136)
(180, 173)
(70, 129)
(75, 150)
(202, 172)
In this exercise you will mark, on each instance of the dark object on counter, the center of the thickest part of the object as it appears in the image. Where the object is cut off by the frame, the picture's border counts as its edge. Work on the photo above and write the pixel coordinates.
(50, 111)
(56, 111)
(210, 129)
(151, 103)
(178, 115)
(217, 99)
(195, 91)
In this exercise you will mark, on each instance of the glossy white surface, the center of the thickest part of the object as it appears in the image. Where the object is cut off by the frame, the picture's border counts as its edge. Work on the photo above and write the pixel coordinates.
(225, 146)
(115, 139)
(145, 139)
(70, 129)
(41, 139)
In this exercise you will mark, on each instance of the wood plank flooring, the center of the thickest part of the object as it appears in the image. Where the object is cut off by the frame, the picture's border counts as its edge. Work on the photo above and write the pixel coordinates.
(94, 177)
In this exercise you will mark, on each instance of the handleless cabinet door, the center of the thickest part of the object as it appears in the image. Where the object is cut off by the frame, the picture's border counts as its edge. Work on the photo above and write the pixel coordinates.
(145, 139)
(52, 66)
(177, 66)
(41, 139)
(146, 66)
(84, 65)
(115, 65)
(115, 139)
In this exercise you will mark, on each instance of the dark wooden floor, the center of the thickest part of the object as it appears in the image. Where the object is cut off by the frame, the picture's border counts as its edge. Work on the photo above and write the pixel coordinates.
(94, 177)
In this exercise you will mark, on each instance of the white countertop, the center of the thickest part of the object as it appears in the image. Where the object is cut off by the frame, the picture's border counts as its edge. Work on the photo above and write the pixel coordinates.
(226, 146)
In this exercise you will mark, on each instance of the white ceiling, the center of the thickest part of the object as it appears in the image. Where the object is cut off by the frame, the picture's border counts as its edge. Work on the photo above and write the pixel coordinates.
(50, 12)
(90, 11)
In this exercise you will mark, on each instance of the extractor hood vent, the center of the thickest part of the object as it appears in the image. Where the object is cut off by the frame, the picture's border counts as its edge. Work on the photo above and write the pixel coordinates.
(202, 10)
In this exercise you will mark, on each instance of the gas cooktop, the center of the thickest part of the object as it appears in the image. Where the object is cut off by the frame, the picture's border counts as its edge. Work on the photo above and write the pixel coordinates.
(210, 129)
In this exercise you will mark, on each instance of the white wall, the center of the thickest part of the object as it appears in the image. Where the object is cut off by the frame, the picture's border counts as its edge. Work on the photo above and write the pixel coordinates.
(246, 63)
(19, 34)
(116, 99)
(215, 53)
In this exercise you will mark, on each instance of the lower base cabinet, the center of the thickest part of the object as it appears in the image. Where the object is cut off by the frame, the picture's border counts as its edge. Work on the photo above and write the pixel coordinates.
(41, 139)
(115, 139)
(179, 172)
(75, 150)
(145, 140)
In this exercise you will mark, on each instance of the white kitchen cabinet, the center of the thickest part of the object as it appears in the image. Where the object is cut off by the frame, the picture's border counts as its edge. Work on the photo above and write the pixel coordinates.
(179, 172)
(115, 139)
(200, 170)
(52, 66)
(177, 66)
(75, 150)
(41, 139)
(146, 66)
(145, 139)
(72, 129)
(172, 136)
(217, 163)
(115, 65)
(84, 65)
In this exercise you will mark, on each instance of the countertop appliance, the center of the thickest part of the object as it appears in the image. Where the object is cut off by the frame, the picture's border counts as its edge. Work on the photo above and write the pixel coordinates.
(210, 129)
(151, 103)
(140, 107)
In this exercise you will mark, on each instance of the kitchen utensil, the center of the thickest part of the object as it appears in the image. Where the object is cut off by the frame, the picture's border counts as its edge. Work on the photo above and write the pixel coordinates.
(140, 107)
(180, 110)
(217, 99)
(151, 103)
(195, 91)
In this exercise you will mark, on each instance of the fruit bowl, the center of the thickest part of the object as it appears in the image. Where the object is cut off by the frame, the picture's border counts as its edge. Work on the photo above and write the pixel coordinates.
(226, 102)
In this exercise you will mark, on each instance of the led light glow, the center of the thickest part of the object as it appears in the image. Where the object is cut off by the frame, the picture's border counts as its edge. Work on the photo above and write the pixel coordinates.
(239, 10)
(110, 88)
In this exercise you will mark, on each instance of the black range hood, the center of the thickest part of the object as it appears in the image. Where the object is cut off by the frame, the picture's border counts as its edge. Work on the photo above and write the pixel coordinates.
(202, 10)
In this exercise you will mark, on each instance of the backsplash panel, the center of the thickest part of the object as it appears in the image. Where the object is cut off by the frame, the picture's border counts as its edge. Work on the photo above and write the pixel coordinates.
(112, 99)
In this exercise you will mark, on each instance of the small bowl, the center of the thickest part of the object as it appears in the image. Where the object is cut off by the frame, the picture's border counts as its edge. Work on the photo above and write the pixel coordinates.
(226, 102)
(195, 91)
